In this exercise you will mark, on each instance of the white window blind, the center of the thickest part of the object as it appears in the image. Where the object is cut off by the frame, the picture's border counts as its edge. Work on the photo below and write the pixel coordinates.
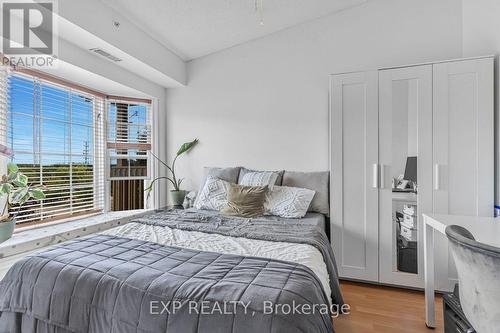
(56, 135)
(4, 107)
(128, 139)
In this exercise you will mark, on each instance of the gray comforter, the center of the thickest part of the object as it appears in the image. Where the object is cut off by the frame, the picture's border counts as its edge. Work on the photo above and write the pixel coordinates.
(111, 284)
(271, 228)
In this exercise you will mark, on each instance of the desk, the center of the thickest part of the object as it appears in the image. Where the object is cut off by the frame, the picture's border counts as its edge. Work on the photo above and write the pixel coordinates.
(485, 230)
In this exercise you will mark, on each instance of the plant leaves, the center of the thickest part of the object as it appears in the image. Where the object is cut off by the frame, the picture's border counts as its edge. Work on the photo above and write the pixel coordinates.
(12, 167)
(17, 195)
(21, 181)
(24, 199)
(6, 188)
(11, 177)
(185, 147)
(37, 194)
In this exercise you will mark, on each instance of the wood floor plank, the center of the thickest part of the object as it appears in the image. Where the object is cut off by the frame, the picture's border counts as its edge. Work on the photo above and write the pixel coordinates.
(377, 309)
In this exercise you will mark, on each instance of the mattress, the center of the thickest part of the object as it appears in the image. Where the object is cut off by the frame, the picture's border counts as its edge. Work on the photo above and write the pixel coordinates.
(314, 219)
(106, 282)
(303, 254)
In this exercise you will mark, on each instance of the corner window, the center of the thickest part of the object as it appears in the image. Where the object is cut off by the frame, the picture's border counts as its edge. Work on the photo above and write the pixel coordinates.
(85, 148)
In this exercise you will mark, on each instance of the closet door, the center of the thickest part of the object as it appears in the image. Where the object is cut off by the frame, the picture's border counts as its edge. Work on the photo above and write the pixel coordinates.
(354, 174)
(463, 147)
(405, 157)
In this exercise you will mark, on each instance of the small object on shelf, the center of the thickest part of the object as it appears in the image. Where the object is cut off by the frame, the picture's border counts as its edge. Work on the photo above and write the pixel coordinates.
(410, 221)
(409, 209)
(409, 233)
(411, 169)
(402, 184)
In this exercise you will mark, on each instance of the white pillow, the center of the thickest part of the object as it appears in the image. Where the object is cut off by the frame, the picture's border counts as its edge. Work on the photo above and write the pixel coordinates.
(259, 178)
(287, 201)
(213, 195)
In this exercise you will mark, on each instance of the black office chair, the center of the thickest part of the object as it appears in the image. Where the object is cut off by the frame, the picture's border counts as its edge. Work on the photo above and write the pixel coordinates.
(478, 267)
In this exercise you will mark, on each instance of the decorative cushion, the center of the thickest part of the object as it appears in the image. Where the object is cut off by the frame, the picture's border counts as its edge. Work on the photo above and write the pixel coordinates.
(213, 195)
(259, 178)
(227, 174)
(285, 201)
(244, 171)
(316, 181)
(245, 201)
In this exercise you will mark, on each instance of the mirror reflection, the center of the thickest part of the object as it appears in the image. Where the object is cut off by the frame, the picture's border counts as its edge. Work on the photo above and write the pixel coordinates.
(404, 174)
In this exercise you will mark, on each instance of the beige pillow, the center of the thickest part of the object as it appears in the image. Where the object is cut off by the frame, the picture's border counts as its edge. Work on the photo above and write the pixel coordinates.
(245, 201)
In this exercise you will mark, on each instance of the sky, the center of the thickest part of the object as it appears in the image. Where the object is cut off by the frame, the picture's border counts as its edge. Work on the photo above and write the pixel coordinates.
(50, 132)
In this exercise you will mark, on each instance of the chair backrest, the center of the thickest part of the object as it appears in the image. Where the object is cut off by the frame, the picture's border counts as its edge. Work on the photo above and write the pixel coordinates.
(478, 268)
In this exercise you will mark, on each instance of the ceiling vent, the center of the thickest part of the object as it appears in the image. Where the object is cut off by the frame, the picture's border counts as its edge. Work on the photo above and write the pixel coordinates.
(105, 54)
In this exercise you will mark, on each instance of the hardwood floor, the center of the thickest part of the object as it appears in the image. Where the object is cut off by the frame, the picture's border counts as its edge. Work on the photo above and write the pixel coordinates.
(376, 309)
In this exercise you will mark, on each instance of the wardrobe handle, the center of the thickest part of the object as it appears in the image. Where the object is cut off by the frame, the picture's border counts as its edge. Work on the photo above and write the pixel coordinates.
(382, 176)
(375, 175)
(436, 177)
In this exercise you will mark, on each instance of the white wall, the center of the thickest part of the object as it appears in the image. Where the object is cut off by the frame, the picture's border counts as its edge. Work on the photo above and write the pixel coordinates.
(264, 104)
(481, 35)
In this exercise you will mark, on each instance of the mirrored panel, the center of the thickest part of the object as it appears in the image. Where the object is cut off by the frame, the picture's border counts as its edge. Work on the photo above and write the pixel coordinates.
(404, 174)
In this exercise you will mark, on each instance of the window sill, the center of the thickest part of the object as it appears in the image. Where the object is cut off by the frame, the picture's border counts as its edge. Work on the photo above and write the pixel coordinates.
(41, 236)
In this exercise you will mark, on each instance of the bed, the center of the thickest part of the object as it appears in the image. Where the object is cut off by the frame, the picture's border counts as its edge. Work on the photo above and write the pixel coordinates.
(179, 271)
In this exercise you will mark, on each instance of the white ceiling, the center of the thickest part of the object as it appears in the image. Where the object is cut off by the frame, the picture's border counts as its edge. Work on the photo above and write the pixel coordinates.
(194, 28)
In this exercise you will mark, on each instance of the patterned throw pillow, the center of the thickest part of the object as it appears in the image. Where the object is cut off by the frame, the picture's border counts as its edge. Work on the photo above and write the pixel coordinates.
(213, 196)
(284, 201)
(260, 178)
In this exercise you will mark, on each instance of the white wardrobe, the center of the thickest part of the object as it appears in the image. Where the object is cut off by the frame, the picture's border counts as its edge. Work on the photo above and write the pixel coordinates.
(406, 141)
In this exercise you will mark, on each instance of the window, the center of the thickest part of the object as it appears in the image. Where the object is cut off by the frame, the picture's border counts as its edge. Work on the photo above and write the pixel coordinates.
(128, 143)
(56, 136)
(128, 139)
(91, 151)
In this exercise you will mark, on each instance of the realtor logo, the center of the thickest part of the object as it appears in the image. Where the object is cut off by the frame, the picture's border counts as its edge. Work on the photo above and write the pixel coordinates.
(28, 28)
(28, 31)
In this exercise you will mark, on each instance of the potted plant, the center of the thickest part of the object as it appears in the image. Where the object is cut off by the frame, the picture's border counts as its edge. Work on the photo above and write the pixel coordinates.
(14, 185)
(176, 194)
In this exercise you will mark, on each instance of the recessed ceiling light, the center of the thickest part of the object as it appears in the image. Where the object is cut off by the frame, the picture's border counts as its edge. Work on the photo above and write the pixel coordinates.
(105, 54)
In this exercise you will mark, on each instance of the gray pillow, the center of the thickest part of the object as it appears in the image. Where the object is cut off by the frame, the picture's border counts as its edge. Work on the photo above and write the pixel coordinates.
(243, 171)
(227, 174)
(316, 181)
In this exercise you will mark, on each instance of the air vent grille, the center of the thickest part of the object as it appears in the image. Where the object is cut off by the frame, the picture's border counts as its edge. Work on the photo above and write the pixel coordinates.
(105, 54)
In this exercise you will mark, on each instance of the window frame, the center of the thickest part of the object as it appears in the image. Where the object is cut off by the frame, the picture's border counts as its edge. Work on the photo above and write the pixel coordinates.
(129, 146)
(152, 165)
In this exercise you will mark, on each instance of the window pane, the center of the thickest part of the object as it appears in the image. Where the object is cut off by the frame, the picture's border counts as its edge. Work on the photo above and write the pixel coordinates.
(129, 139)
(138, 167)
(51, 131)
(55, 138)
(119, 168)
